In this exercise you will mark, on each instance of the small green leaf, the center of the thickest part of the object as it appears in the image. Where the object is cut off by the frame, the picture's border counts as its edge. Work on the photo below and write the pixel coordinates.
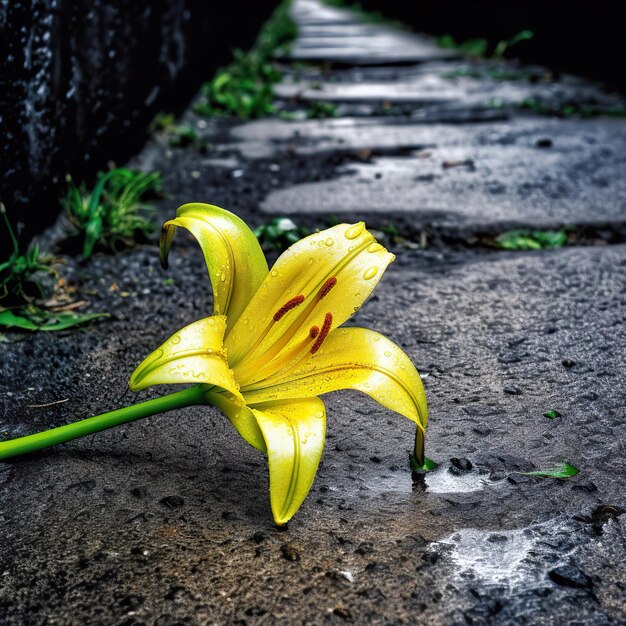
(61, 321)
(560, 471)
(531, 239)
(42, 320)
(552, 414)
(429, 464)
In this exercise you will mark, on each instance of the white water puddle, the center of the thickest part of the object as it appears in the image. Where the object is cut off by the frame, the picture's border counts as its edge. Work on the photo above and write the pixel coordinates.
(444, 481)
(438, 482)
(509, 558)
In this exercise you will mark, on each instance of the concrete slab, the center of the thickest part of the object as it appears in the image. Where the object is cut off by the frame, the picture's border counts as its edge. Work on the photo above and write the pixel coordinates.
(167, 520)
(322, 38)
(427, 88)
(471, 176)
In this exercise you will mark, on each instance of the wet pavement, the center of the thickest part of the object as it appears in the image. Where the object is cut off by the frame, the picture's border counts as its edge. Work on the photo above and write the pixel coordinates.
(167, 521)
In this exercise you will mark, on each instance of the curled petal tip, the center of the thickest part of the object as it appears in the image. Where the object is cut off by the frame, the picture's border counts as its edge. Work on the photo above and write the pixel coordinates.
(167, 234)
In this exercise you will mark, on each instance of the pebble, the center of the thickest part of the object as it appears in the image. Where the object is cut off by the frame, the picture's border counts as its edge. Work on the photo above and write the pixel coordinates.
(464, 465)
(172, 502)
(570, 576)
(289, 552)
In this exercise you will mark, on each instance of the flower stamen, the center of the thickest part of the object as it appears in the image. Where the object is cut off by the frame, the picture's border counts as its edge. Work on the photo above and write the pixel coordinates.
(326, 287)
(328, 320)
(314, 332)
(288, 306)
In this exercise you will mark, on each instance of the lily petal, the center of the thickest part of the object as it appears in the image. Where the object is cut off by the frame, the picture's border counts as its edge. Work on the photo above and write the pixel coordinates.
(195, 354)
(331, 271)
(241, 417)
(294, 432)
(352, 358)
(234, 259)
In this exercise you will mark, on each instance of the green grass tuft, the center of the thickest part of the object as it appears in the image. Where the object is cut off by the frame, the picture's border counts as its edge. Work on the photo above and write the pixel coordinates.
(115, 212)
(479, 47)
(19, 282)
(245, 88)
(279, 233)
(531, 239)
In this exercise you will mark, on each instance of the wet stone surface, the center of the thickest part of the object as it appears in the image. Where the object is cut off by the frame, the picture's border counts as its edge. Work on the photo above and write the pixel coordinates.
(167, 521)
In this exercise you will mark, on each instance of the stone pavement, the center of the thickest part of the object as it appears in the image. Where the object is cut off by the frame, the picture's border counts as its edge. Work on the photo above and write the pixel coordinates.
(167, 521)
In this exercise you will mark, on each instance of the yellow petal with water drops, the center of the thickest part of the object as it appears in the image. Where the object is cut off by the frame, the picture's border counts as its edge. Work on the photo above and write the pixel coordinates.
(331, 271)
(234, 259)
(294, 433)
(240, 416)
(351, 358)
(194, 354)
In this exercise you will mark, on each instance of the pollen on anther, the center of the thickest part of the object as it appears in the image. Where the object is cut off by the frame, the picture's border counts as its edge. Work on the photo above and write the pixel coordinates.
(314, 332)
(328, 320)
(290, 304)
(327, 286)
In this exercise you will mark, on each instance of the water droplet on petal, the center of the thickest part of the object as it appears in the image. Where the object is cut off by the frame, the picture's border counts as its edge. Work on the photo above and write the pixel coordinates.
(330, 241)
(175, 339)
(375, 247)
(274, 273)
(387, 353)
(311, 261)
(354, 231)
(370, 272)
(319, 414)
(211, 321)
(223, 278)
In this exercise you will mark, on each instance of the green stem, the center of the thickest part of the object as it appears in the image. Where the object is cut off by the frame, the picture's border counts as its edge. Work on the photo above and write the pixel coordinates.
(30, 443)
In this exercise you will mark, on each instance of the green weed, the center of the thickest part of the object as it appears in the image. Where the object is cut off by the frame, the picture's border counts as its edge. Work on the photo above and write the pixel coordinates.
(471, 47)
(321, 110)
(115, 211)
(20, 288)
(34, 318)
(478, 47)
(564, 470)
(279, 233)
(531, 239)
(245, 88)
(18, 275)
(178, 135)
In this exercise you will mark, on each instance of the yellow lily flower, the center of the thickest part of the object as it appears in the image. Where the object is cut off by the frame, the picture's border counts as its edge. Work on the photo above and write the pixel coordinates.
(274, 342)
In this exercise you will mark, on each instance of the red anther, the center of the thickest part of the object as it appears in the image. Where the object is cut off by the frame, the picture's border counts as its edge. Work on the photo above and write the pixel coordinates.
(327, 286)
(328, 320)
(290, 304)
(314, 332)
